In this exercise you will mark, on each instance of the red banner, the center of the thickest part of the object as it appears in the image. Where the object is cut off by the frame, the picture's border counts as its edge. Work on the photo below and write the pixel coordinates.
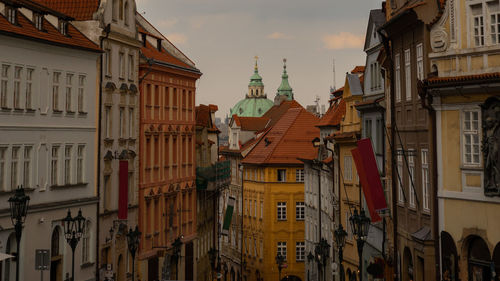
(363, 179)
(123, 191)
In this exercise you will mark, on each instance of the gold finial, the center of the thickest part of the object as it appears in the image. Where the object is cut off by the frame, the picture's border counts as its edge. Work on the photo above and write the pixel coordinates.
(256, 58)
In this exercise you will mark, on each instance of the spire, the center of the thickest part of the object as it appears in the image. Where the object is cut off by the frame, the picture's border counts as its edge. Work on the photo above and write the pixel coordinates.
(285, 89)
(256, 68)
(256, 79)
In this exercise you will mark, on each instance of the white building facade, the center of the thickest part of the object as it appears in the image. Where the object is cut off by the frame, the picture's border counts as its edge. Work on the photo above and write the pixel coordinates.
(48, 139)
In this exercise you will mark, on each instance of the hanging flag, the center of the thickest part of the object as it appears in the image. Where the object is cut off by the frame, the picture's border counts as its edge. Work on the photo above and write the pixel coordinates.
(228, 216)
(356, 155)
(372, 175)
(123, 191)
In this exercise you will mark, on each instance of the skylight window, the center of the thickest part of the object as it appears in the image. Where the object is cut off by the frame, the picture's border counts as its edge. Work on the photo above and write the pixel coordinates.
(11, 14)
(63, 27)
(38, 20)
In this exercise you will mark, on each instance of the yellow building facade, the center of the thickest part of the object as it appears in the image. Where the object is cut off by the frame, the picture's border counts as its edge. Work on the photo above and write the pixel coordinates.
(465, 108)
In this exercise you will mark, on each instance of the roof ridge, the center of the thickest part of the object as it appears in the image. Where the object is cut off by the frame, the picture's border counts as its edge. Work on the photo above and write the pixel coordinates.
(282, 136)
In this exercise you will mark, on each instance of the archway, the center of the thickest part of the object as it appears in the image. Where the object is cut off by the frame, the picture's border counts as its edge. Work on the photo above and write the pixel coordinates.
(496, 261)
(56, 256)
(478, 260)
(10, 264)
(449, 257)
(407, 265)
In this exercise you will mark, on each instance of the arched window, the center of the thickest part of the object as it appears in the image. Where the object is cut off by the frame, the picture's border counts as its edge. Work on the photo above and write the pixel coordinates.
(479, 259)
(86, 242)
(126, 13)
(449, 257)
(10, 264)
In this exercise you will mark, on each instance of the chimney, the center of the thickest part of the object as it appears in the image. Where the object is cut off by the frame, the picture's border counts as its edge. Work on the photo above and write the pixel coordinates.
(158, 44)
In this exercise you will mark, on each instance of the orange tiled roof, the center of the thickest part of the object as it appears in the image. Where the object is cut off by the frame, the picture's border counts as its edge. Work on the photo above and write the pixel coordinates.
(77, 9)
(334, 115)
(290, 138)
(27, 29)
(251, 123)
(164, 56)
(203, 116)
(464, 78)
(358, 69)
(276, 111)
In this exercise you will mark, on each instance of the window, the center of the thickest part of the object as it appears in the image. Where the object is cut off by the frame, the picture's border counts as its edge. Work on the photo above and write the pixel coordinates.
(122, 122)
(401, 196)
(349, 226)
(131, 67)
(121, 65)
(368, 129)
(63, 27)
(281, 211)
(348, 168)
(86, 242)
(411, 177)
(420, 62)
(397, 78)
(107, 62)
(3, 156)
(300, 251)
(55, 91)
(131, 123)
(126, 13)
(3, 85)
(281, 249)
(471, 143)
(131, 192)
(11, 14)
(425, 180)
(408, 74)
(38, 20)
(495, 28)
(80, 163)
(261, 209)
(478, 25)
(29, 88)
(299, 175)
(255, 208)
(54, 165)
(121, 9)
(81, 93)
(107, 122)
(261, 255)
(69, 88)
(27, 166)
(281, 175)
(67, 164)
(115, 10)
(14, 168)
(17, 87)
(300, 210)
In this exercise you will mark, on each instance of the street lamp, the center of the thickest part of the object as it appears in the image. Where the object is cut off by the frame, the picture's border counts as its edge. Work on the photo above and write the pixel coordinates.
(73, 230)
(322, 251)
(133, 243)
(280, 261)
(177, 253)
(18, 210)
(360, 224)
(340, 235)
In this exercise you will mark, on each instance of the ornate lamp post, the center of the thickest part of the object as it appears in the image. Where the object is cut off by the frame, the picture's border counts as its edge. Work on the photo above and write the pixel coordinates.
(133, 243)
(322, 251)
(340, 235)
(73, 230)
(177, 253)
(360, 224)
(280, 261)
(18, 210)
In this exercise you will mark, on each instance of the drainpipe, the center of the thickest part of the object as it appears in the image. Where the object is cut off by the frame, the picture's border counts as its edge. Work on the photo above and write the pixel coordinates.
(107, 29)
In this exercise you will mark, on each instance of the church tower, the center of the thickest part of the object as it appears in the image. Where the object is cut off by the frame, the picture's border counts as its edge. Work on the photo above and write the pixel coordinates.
(256, 87)
(284, 89)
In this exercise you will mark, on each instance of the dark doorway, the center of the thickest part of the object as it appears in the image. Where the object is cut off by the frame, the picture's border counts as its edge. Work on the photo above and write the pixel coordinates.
(153, 269)
(56, 257)
(449, 257)
(479, 261)
(189, 261)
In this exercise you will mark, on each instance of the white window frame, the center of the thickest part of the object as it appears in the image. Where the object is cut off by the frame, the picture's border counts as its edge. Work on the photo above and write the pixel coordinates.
(299, 175)
(11, 14)
(281, 175)
(68, 165)
(56, 80)
(131, 68)
(82, 78)
(4, 85)
(408, 92)
(14, 166)
(3, 166)
(86, 242)
(27, 165)
(300, 211)
(470, 134)
(107, 122)
(425, 179)
(495, 28)
(400, 179)
(281, 211)
(420, 61)
(411, 178)
(18, 75)
(80, 163)
(300, 251)
(69, 93)
(478, 29)
(397, 78)
(28, 102)
(54, 165)
(121, 65)
(38, 20)
(281, 249)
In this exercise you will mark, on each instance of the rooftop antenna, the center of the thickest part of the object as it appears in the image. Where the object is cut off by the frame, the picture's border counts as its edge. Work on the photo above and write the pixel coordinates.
(316, 101)
(334, 82)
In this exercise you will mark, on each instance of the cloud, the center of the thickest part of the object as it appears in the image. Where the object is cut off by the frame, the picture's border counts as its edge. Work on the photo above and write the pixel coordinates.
(343, 40)
(177, 38)
(167, 23)
(278, 35)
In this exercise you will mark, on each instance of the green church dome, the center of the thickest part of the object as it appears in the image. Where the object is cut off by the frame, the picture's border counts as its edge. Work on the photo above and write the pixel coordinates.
(285, 89)
(252, 107)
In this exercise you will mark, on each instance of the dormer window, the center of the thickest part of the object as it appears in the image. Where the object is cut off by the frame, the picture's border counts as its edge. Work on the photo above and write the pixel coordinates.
(63, 27)
(11, 12)
(38, 20)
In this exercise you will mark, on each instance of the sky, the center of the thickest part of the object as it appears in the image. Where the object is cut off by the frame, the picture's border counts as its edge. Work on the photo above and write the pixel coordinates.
(222, 37)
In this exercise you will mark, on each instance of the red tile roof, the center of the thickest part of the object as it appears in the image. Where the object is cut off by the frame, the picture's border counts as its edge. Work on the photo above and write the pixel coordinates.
(51, 35)
(77, 9)
(151, 51)
(334, 115)
(464, 78)
(251, 123)
(276, 111)
(204, 116)
(290, 138)
(358, 69)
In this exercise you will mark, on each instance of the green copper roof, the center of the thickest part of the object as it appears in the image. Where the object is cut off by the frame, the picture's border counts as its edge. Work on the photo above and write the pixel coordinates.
(252, 107)
(256, 79)
(285, 89)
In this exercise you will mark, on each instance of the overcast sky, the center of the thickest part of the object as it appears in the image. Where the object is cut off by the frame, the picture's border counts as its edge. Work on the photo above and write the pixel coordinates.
(223, 36)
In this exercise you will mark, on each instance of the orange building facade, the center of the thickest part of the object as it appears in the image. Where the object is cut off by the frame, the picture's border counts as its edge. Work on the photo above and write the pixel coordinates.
(167, 190)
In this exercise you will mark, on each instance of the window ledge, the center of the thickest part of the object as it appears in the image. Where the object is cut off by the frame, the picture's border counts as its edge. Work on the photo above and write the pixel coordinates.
(30, 110)
(82, 112)
(87, 264)
(14, 190)
(16, 109)
(57, 111)
(477, 168)
(84, 184)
